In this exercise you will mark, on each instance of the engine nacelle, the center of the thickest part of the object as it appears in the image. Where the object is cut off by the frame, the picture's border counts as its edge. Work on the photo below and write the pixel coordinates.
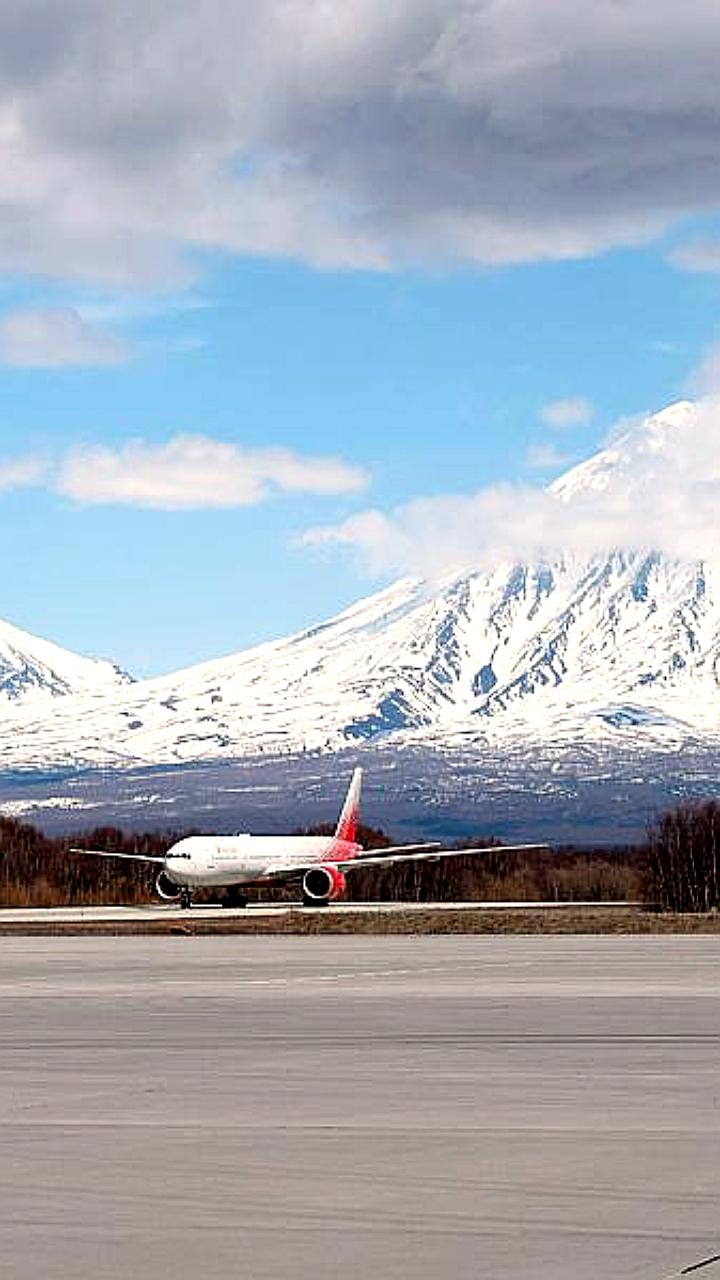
(323, 884)
(166, 888)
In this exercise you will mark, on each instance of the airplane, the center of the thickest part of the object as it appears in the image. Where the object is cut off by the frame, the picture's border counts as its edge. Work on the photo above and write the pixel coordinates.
(318, 864)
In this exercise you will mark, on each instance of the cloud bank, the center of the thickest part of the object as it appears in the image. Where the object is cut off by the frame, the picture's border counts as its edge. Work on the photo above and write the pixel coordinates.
(656, 487)
(355, 135)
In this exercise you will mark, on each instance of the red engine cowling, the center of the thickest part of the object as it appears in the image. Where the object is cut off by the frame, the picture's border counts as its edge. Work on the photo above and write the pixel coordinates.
(322, 884)
(166, 888)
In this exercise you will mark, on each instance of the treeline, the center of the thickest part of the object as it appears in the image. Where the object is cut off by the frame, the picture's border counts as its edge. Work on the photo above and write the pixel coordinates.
(567, 874)
(563, 875)
(678, 869)
(683, 859)
(38, 870)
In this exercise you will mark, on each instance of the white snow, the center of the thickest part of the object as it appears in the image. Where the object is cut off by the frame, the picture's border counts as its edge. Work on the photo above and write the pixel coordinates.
(34, 670)
(623, 647)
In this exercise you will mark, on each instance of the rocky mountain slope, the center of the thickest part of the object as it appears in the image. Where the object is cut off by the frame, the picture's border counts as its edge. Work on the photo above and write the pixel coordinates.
(35, 671)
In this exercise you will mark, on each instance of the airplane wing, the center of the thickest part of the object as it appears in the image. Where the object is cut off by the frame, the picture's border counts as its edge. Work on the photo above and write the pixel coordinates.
(110, 853)
(398, 853)
(406, 853)
(403, 848)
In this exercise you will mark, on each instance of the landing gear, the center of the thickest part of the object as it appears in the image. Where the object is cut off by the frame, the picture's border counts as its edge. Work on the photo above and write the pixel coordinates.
(314, 902)
(185, 899)
(234, 898)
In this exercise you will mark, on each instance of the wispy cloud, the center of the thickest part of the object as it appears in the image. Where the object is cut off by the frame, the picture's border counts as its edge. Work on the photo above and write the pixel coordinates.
(56, 337)
(194, 472)
(24, 472)
(545, 456)
(705, 378)
(697, 255)
(574, 411)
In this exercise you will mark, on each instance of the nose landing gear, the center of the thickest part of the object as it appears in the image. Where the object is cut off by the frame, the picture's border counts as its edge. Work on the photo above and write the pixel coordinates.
(185, 899)
(234, 898)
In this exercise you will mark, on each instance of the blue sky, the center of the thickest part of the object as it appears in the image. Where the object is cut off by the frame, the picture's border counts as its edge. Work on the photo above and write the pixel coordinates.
(403, 353)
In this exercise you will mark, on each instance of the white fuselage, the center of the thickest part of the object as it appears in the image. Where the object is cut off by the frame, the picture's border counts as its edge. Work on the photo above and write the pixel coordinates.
(208, 861)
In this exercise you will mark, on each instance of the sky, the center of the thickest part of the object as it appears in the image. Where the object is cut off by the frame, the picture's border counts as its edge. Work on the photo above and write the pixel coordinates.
(272, 275)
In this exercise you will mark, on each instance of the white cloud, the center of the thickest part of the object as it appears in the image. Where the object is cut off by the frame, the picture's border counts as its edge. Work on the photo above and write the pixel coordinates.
(193, 472)
(574, 411)
(355, 134)
(697, 255)
(657, 486)
(705, 379)
(545, 456)
(53, 337)
(24, 472)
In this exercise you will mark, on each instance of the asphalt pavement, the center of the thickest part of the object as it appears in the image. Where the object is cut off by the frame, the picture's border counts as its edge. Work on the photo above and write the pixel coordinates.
(325, 1107)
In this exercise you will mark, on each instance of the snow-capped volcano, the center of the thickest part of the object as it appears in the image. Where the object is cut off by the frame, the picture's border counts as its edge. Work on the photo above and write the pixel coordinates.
(617, 646)
(633, 455)
(33, 670)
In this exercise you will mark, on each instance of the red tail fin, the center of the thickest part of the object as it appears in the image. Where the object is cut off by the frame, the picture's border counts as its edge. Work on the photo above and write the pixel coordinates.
(347, 824)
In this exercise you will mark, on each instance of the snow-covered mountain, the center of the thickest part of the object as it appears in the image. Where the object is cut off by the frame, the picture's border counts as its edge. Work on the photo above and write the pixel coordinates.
(34, 670)
(623, 647)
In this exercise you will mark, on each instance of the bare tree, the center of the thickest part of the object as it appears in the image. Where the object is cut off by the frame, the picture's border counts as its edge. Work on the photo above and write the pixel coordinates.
(682, 859)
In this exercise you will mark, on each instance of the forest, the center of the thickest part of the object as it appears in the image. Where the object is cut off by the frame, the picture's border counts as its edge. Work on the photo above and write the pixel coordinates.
(682, 859)
(37, 870)
(677, 869)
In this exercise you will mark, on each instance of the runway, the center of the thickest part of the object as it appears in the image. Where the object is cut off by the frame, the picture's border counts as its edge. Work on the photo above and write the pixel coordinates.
(328, 1107)
(156, 913)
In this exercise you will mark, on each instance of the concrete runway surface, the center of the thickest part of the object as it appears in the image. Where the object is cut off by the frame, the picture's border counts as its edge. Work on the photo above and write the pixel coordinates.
(318, 1108)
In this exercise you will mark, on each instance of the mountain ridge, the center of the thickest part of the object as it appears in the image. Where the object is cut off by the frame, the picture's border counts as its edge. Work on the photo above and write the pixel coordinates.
(621, 647)
(33, 669)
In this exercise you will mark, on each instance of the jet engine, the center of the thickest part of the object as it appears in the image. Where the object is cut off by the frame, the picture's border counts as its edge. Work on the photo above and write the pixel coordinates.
(321, 885)
(166, 888)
